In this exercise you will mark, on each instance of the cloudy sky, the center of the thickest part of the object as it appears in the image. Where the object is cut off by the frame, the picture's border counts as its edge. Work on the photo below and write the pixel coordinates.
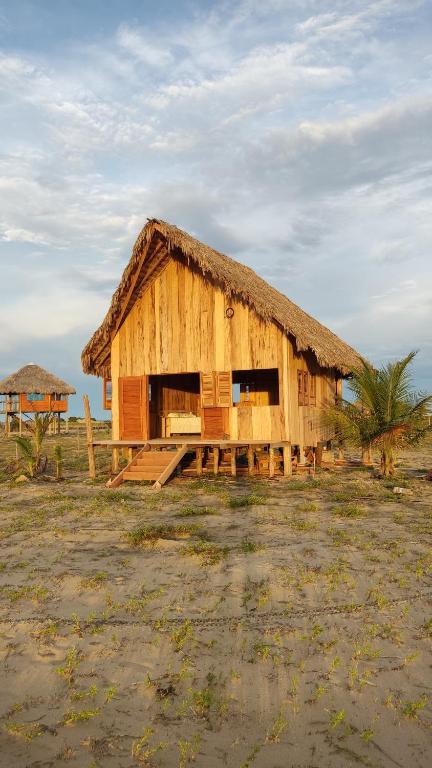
(294, 135)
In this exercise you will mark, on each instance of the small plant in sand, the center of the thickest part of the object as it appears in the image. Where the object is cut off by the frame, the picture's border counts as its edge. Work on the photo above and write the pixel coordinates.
(337, 718)
(143, 751)
(182, 636)
(278, 726)
(258, 591)
(70, 666)
(72, 716)
(188, 750)
(411, 709)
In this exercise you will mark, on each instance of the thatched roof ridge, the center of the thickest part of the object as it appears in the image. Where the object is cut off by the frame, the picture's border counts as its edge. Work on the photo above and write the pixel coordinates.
(237, 281)
(34, 379)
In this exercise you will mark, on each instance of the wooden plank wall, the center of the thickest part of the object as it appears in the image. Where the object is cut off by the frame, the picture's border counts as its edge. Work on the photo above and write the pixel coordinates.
(179, 325)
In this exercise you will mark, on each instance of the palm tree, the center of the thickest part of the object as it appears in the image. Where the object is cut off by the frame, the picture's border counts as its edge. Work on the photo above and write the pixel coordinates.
(30, 448)
(386, 413)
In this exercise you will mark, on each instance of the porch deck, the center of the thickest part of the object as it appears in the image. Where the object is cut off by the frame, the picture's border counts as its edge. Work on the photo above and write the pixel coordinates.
(190, 442)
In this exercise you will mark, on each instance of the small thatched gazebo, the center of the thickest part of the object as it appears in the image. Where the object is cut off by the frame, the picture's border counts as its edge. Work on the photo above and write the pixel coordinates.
(32, 389)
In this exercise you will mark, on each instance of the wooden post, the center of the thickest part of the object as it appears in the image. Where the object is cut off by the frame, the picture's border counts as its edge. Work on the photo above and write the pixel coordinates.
(90, 446)
(271, 462)
(20, 422)
(215, 460)
(302, 457)
(318, 454)
(130, 455)
(250, 457)
(233, 461)
(115, 461)
(287, 460)
(199, 461)
(7, 424)
(67, 425)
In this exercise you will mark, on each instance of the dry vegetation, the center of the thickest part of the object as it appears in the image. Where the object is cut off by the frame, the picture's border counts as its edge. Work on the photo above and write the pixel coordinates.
(217, 623)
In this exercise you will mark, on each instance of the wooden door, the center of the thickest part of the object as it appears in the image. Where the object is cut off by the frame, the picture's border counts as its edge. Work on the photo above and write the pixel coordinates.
(134, 407)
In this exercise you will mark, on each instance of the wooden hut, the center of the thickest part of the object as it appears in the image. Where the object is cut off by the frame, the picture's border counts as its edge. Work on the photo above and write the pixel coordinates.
(198, 350)
(31, 390)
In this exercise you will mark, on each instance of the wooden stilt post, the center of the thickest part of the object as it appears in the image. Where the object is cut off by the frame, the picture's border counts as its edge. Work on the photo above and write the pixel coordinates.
(199, 461)
(115, 461)
(271, 462)
(215, 460)
(20, 422)
(233, 461)
(130, 455)
(287, 460)
(250, 457)
(7, 425)
(90, 446)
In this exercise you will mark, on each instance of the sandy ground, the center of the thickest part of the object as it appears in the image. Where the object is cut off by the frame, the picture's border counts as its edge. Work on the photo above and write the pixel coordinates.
(275, 624)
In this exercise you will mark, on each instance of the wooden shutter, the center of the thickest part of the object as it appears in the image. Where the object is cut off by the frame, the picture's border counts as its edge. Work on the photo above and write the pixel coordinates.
(312, 389)
(134, 407)
(300, 387)
(305, 388)
(208, 390)
(213, 423)
(223, 389)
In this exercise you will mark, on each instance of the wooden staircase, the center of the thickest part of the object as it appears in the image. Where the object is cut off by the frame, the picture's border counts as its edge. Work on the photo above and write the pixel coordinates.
(150, 465)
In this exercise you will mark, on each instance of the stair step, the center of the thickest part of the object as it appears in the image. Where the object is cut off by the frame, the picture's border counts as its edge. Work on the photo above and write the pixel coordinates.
(156, 471)
(140, 475)
(159, 462)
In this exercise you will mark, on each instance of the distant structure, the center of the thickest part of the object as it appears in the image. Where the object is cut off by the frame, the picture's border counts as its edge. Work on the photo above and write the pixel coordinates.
(32, 389)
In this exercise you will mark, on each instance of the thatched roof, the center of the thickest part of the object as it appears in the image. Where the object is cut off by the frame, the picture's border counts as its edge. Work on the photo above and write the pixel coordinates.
(234, 279)
(33, 379)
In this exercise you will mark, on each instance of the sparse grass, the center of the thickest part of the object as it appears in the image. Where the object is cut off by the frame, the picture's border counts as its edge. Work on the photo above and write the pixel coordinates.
(207, 552)
(252, 499)
(72, 716)
(150, 534)
(307, 506)
(247, 546)
(96, 581)
(349, 510)
(36, 593)
(300, 524)
(27, 731)
(196, 511)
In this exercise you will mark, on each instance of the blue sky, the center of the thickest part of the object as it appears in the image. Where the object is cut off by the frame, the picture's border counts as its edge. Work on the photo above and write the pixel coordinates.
(296, 136)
